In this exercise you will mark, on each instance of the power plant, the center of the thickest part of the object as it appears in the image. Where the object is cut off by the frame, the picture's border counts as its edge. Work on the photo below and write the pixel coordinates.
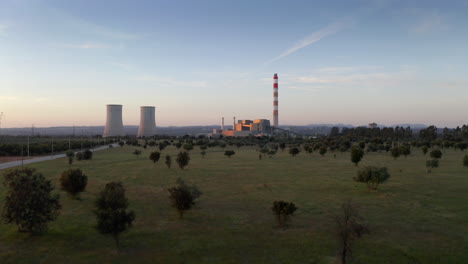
(147, 128)
(147, 122)
(243, 128)
(114, 124)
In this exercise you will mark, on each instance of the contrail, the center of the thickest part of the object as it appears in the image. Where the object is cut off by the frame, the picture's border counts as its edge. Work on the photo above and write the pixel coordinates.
(315, 37)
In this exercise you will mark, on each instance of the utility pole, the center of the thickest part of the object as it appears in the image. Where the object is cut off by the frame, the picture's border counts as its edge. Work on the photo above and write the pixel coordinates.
(1, 116)
(52, 146)
(28, 146)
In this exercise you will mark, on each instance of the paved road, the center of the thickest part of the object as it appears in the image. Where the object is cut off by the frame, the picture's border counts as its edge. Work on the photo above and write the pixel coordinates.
(15, 163)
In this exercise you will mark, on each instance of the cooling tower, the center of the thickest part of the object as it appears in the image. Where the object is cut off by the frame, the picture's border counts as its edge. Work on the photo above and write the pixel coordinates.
(147, 121)
(114, 124)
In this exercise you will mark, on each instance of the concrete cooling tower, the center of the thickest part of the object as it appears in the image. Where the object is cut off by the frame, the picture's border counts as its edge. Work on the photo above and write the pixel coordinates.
(114, 124)
(147, 121)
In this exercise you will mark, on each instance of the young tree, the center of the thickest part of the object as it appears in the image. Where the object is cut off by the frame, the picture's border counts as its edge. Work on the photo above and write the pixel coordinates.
(73, 181)
(188, 147)
(283, 211)
(178, 145)
(137, 152)
(294, 151)
(323, 150)
(372, 176)
(161, 146)
(424, 150)
(282, 146)
(350, 226)
(203, 153)
(396, 152)
(183, 196)
(356, 154)
(431, 164)
(183, 159)
(436, 154)
(229, 153)
(465, 161)
(405, 150)
(70, 154)
(168, 161)
(111, 211)
(29, 201)
(155, 156)
(87, 154)
(121, 143)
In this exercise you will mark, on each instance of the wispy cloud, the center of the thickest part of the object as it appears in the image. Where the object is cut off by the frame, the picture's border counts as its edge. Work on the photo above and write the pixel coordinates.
(315, 37)
(427, 21)
(89, 45)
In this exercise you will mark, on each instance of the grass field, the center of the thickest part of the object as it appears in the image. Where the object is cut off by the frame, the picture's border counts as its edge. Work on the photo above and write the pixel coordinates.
(415, 217)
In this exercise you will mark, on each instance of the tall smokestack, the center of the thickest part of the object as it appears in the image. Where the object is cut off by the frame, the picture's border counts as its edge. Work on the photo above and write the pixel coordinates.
(234, 124)
(275, 100)
(147, 121)
(222, 123)
(114, 124)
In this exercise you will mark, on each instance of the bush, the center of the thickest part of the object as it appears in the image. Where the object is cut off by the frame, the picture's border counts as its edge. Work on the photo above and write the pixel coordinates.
(372, 176)
(356, 154)
(70, 154)
(424, 150)
(168, 161)
(396, 152)
(323, 150)
(79, 156)
(436, 154)
(137, 152)
(155, 156)
(203, 153)
(188, 147)
(84, 155)
(229, 153)
(465, 161)
(111, 215)
(29, 202)
(431, 164)
(294, 151)
(183, 196)
(283, 210)
(182, 159)
(73, 181)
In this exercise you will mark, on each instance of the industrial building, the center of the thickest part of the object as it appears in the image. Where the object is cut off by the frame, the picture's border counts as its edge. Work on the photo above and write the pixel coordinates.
(114, 124)
(245, 128)
(147, 126)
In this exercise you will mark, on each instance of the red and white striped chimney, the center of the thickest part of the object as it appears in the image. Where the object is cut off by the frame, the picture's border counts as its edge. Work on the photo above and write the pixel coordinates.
(275, 100)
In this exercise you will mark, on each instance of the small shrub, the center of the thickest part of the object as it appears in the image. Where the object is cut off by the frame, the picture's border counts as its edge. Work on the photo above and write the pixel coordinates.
(431, 164)
(79, 156)
(323, 150)
(372, 176)
(155, 156)
(182, 159)
(424, 150)
(294, 151)
(168, 161)
(183, 196)
(465, 161)
(356, 155)
(137, 152)
(73, 181)
(436, 154)
(203, 153)
(229, 153)
(70, 154)
(396, 152)
(283, 211)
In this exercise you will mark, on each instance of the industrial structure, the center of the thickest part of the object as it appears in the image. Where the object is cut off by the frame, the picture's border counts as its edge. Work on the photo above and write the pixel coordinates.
(258, 127)
(275, 100)
(114, 124)
(147, 121)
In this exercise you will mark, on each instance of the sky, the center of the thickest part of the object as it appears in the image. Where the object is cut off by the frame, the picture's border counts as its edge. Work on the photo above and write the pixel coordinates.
(352, 62)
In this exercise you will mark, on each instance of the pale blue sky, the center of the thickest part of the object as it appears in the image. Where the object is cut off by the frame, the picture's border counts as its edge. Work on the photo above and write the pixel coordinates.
(349, 62)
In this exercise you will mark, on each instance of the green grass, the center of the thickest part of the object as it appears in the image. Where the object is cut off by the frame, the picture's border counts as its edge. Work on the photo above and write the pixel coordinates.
(415, 217)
